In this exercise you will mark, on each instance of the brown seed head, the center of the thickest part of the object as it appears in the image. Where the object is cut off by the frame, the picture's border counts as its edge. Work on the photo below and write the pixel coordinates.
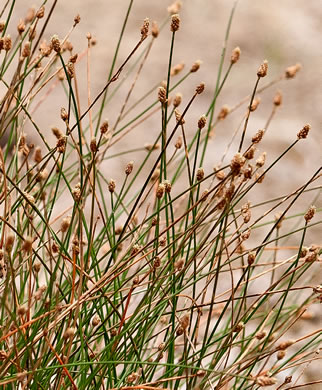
(57, 133)
(179, 117)
(63, 114)
(104, 127)
(309, 214)
(96, 320)
(145, 29)
(277, 99)
(238, 327)
(77, 19)
(65, 224)
(261, 160)
(204, 195)
(195, 66)
(2, 25)
(30, 15)
(264, 380)
(258, 136)
(200, 88)
(111, 186)
(55, 42)
(178, 143)
(160, 191)
(73, 58)
(21, 26)
(200, 174)
(26, 50)
(61, 144)
(155, 29)
(260, 335)
(284, 345)
(175, 7)
(69, 333)
(262, 70)
(255, 104)
(249, 154)
(167, 186)
(9, 241)
(93, 145)
(246, 212)
(45, 49)
(177, 69)
(129, 168)
(202, 122)
(162, 95)
(281, 355)
(224, 111)
(291, 71)
(250, 259)
(37, 155)
(7, 43)
(304, 132)
(77, 192)
(175, 23)
(235, 55)
(237, 163)
(177, 100)
(70, 69)
(32, 32)
(150, 147)
(40, 13)
(27, 244)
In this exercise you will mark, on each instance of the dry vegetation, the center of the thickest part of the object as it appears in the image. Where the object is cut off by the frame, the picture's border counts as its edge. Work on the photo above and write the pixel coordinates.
(166, 276)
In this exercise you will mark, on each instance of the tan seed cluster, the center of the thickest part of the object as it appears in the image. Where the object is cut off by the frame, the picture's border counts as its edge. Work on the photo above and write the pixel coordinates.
(175, 23)
(202, 122)
(195, 66)
(177, 100)
(258, 136)
(178, 143)
(261, 160)
(104, 127)
(129, 168)
(61, 144)
(200, 174)
(145, 29)
(200, 88)
(175, 7)
(309, 214)
(177, 69)
(155, 29)
(55, 42)
(303, 133)
(235, 55)
(160, 190)
(246, 212)
(162, 95)
(111, 186)
(255, 104)
(237, 163)
(224, 111)
(262, 70)
(291, 71)
(179, 117)
(265, 380)
(278, 98)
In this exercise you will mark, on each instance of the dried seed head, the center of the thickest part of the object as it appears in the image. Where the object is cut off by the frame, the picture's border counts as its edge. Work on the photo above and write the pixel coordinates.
(155, 176)
(145, 29)
(309, 214)
(202, 122)
(304, 132)
(10, 239)
(200, 88)
(132, 377)
(73, 58)
(200, 174)
(167, 186)
(261, 160)
(248, 172)
(317, 289)
(7, 43)
(260, 335)
(93, 145)
(29, 198)
(255, 104)
(129, 168)
(96, 320)
(65, 224)
(69, 333)
(63, 114)
(21, 310)
(55, 42)
(179, 117)
(67, 45)
(195, 66)
(175, 7)
(235, 55)
(249, 154)
(281, 355)
(178, 143)
(111, 186)
(57, 133)
(246, 234)
(26, 50)
(77, 19)
(246, 212)
(258, 136)
(177, 100)
(237, 163)
(277, 99)
(40, 13)
(150, 147)
(284, 345)
(262, 70)
(177, 69)
(160, 191)
(21, 26)
(311, 257)
(204, 195)
(220, 174)
(30, 15)
(2, 25)
(224, 111)
(155, 29)
(238, 327)
(70, 69)
(77, 192)
(45, 49)
(104, 127)
(259, 177)
(175, 23)
(162, 95)
(264, 380)
(32, 32)
(291, 71)
(157, 262)
(229, 192)
(250, 259)
(61, 144)
(37, 155)
(27, 244)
